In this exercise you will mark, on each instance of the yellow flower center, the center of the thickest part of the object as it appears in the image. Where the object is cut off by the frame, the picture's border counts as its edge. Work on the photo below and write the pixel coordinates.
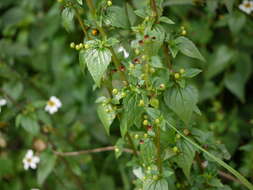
(50, 103)
(29, 160)
(247, 5)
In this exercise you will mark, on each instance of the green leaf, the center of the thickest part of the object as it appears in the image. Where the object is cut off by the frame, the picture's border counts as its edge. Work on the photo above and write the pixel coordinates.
(235, 81)
(97, 61)
(166, 20)
(46, 166)
(106, 115)
(116, 17)
(229, 4)
(190, 73)
(80, 2)
(219, 62)
(161, 184)
(156, 62)
(67, 18)
(153, 113)
(131, 15)
(186, 156)
(182, 101)
(29, 123)
(188, 48)
(131, 113)
(242, 179)
(236, 22)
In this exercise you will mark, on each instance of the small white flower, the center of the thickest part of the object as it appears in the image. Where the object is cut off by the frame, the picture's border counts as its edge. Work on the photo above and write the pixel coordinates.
(30, 160)
(3, 102)
(35, 189)
(53, 104)
(122, 49)
(246, 6)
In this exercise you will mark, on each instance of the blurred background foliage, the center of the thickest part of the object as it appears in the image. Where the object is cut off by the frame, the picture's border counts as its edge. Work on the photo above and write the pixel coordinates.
(36, 63)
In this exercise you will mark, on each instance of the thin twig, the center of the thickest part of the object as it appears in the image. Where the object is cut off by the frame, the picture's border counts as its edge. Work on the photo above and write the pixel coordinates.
(81, 23)
(96, 150)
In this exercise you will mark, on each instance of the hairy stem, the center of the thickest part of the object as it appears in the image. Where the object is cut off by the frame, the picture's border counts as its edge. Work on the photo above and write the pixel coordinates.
(132, 144)
(81, 22)
(158, 150)
(154, 9)
(167, 56)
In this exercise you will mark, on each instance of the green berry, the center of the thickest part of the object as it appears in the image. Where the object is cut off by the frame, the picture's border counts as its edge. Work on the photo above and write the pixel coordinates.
(115, 91)
(145, 122)
(176, 75)
(182, 71)
(72, 45)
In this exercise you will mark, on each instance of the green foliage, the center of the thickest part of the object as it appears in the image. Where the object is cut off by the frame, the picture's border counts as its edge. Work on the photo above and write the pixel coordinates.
(164, 104)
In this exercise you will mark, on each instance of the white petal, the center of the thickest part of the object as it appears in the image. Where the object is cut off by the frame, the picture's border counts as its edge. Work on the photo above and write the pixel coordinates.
(36, 159)
(3, 102)
(33, 165)
(126, 54)
(29, 154)
(52, 110)
(121, 49)
(26, 166)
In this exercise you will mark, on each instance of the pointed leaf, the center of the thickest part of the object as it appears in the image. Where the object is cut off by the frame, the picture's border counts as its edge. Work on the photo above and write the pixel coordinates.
(188, 48)
(97, 61)
(182, 101)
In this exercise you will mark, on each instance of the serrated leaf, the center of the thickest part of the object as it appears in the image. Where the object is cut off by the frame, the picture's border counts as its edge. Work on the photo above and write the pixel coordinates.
(188, 48)
(97, 61)
(131, 15)
(29, 123)
(186, 156)
(166, 20)
(156, 62)
(190, 73)
(45, 167)
(161, 184)
(67, 18)
(182, 101)
(116, 17)
(105, 116)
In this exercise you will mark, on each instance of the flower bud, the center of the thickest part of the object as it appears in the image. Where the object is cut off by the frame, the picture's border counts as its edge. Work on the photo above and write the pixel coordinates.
(182, 71)
(162, 86)
(86, 46)
(154, 102)
(109, 3)
(94, 32)
(183, 32)
(186, 132)
(141, 103)
(39, 145)
(175, 149)
(115, 91)
(177, 75)
(72, 45)
(136, 136)
(157, 121)
(145, 122)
